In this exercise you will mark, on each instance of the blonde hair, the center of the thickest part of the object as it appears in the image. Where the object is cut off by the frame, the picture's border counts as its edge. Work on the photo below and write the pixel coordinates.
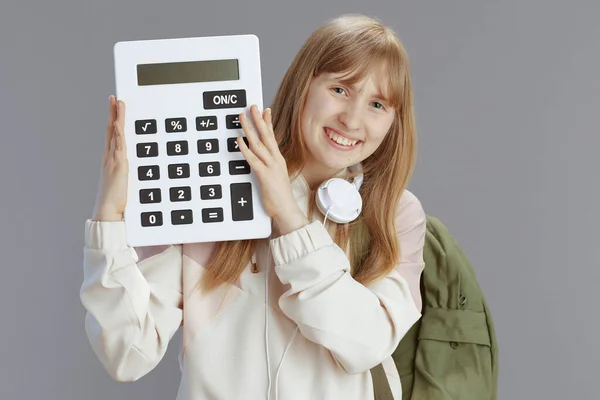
(354, 44)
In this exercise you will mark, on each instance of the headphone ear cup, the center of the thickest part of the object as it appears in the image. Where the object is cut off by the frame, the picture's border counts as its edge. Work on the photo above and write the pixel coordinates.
(339, 200)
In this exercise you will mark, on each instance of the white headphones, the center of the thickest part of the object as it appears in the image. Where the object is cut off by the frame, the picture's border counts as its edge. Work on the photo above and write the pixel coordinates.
(339, 199)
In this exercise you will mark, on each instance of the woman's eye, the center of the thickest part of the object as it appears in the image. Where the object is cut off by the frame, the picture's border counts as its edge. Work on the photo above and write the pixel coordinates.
(380, 105)
(338, 90)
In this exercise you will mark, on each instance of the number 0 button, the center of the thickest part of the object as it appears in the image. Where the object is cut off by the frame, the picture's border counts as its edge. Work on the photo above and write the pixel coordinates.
(152, 218)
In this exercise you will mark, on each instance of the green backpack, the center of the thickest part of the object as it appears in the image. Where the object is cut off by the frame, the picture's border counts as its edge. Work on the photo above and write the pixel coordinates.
(451, 353)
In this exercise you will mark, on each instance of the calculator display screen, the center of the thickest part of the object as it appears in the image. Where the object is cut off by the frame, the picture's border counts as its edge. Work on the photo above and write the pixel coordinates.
(187, 72)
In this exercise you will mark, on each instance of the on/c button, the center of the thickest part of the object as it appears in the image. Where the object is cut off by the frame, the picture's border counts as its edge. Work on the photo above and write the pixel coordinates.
(224, 99)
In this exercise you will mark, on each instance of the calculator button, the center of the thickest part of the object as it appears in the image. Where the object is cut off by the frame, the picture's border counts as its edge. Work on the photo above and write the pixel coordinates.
(224, 99)
(152, 218)
(178, 171)
(206, 146)
(210, 192)
(233, 121)
(212, 215)
(209, 168)
(145, 126)
(150, 196)
(148, 173)
(175, 125)
(241, 201)
(206, 123)
(178, 148)
(180, 193)
(147, 149)
(181, 217)
(232, 145)
(239, 167)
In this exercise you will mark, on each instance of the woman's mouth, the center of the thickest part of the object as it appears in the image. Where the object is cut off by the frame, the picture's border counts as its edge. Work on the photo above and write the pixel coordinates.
(340, 142)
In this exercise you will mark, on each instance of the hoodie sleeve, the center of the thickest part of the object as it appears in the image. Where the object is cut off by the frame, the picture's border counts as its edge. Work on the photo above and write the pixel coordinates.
(133, 307)
(360, 325)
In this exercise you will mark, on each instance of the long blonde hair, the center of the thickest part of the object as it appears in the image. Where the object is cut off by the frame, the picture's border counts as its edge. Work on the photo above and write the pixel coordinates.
(349, 43)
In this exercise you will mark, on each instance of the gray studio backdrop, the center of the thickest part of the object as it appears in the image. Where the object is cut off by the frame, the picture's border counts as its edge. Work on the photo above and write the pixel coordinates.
(508, 106)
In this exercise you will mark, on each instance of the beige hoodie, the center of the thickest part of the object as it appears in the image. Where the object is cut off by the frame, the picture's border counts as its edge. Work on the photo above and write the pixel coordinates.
(334, 329)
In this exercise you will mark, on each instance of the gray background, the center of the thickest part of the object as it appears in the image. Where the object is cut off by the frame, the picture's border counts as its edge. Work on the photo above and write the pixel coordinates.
(507, 100)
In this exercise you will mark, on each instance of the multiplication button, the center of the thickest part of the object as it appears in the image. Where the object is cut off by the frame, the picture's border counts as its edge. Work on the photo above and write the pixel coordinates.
(241, 201)
(212, 214)
(232, 145)
(152, 218)
(206, 123)
(181, 217)
(145, 126)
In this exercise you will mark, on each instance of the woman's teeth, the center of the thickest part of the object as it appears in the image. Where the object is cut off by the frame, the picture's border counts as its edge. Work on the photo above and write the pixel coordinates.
(341, 140)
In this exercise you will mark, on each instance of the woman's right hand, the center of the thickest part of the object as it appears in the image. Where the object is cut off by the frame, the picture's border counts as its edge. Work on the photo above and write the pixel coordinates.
(111, 196)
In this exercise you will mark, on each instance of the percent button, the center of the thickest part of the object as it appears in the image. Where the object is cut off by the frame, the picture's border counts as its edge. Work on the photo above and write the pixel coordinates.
(175, 125)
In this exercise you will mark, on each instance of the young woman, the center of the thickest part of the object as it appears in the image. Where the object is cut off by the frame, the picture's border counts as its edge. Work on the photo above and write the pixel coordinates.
(306, 313)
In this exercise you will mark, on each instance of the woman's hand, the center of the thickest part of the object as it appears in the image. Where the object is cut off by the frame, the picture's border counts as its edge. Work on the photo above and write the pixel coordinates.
(270, 167)
(111, 196)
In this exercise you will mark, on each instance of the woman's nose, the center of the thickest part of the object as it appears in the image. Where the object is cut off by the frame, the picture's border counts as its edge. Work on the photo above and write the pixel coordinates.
(351, 116)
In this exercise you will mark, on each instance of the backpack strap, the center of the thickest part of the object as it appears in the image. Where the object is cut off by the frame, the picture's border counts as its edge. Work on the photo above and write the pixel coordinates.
(381, 386)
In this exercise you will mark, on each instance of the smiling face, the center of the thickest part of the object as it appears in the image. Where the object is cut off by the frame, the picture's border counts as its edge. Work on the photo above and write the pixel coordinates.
(343, 124)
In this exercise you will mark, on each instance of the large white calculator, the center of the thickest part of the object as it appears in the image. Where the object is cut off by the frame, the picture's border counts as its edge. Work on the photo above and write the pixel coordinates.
(188, 180)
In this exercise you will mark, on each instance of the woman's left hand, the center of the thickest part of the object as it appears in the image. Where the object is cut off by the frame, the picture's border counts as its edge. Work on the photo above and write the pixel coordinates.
(270, 167)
